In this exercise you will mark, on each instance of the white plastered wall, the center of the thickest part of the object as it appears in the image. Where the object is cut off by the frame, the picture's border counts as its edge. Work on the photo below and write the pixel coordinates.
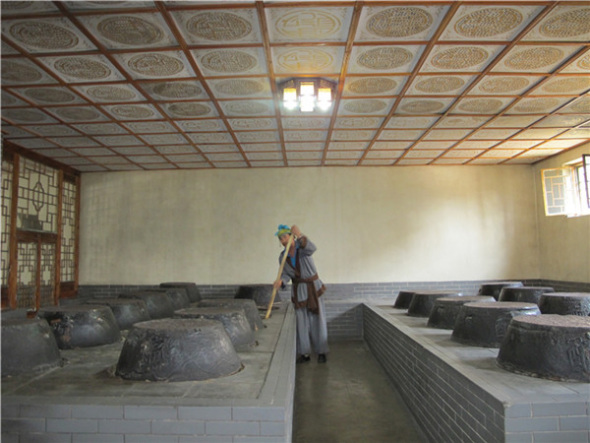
(564, 243)
(370, 224)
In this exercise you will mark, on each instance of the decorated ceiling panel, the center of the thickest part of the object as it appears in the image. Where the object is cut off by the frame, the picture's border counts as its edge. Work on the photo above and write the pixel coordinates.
(142, 85)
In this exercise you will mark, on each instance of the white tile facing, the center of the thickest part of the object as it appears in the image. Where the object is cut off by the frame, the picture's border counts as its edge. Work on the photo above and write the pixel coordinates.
(200, 125)
(123, 31)
(462, 121)
(542, 59)
(155, 65)
(424, 105)
(46, 35)
(433, 145)
(248, 124)
(504, 84)
(19, 71)
(439, 84)
(537, 105)
(539, 133)
(383, 59)
(312, 24)
(411, 122)
(447, 134)
(149, 127)
(400, 134)
(214, 27)
(513, 121)
(349, 145)
(230, 61)
(563, 120)
(307, 59)
(564, 23)
(132, 112)
(111, 93)
(381, 85)
(358, 122)
(465, 58)
(377, 154)
(399, 22)
(118, 140)
(83, 68)
(489, 22)
(481, 105)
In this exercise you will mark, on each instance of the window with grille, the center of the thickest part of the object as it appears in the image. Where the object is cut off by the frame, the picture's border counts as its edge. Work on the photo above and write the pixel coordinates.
(567, 189)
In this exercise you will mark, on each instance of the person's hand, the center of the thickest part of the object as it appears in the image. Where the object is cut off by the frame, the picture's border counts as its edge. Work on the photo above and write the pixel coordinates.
(277, 284)
(296, 231)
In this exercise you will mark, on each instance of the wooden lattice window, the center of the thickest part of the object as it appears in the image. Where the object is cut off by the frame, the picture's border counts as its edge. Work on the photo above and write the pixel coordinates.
(40, 217)
(566, 189)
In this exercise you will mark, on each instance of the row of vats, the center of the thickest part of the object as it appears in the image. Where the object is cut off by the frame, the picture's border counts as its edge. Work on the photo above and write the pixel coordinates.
(539, 332)
(170, 333)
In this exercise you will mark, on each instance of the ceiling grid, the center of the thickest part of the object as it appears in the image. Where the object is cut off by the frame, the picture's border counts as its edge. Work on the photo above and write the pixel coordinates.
(149, 85)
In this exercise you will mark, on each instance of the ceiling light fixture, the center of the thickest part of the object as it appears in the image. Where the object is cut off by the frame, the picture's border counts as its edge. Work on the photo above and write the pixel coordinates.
(307, 94)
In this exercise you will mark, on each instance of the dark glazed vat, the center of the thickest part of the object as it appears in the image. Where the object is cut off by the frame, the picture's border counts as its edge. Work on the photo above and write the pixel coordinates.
(79, 326)
(249, 307)
(494, 288)
(28, 345)
(127, 311)
(192, 291)
(566, 303)
(177, 296)
(158, 303)
(523, 294)
(484, 323)
(261, 294)
(233, 319)
(445, 310)
(423, 302)
(403, 299)
(177, 350)
(556, 347)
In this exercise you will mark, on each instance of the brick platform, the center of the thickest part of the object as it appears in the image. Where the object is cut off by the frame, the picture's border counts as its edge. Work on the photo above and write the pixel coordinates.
(458, 393)
(82, 402)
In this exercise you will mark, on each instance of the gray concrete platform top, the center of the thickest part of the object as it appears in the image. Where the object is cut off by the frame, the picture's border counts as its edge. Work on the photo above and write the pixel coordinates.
(87, 376)
(479, 365)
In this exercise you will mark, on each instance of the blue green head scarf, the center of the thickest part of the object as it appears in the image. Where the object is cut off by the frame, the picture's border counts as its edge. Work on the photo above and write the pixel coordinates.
(283, 229)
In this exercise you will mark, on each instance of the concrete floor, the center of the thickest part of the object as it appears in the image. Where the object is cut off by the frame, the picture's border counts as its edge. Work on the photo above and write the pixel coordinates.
(350, 399)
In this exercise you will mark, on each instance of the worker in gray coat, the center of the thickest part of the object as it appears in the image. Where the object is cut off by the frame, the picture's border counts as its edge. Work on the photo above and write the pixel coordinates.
(307, 291)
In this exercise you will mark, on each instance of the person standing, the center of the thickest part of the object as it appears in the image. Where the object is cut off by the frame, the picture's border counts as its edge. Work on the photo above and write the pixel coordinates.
(307, 290)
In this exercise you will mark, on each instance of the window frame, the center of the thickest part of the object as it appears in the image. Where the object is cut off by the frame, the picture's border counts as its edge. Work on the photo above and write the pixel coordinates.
(563, 192)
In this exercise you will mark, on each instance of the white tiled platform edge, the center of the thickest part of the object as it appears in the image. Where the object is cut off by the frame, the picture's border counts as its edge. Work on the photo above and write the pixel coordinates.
(458, 393)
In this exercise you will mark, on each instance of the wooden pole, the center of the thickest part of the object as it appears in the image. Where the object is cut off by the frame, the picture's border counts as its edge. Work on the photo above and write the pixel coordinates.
(274, 290)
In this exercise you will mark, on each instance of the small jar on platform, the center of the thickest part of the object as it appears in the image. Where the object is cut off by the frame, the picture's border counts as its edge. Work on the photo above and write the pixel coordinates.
(446, 309)
(28, 345)
(423, 302)
(524, 294)
(484, 323)
(565, 303)
(192, 291)
(177, 350)
(548, 346)
(158, 303)
(233, 320)
(494, 288)
(252, 313)
(79, 326)
(403, 299)
(127, 311)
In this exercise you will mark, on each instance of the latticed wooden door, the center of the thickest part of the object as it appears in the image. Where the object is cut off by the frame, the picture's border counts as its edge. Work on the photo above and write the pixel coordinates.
(36, 268)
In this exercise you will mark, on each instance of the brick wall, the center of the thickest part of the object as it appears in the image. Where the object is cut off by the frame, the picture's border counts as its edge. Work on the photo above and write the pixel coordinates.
(447, 405)
(343, 301)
